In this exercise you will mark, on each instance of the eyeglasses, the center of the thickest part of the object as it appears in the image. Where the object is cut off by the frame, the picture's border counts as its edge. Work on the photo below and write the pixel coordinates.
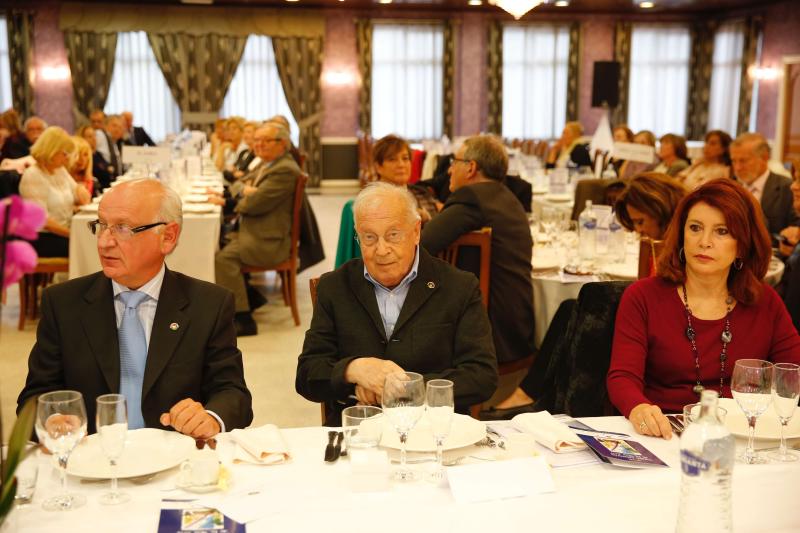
(369, 240)
(459, 160)
(121, 232)
(268, 140)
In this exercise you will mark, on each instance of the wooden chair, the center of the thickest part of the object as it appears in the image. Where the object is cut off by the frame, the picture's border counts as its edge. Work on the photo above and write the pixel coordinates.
(364, 157)
(649, 250)
(481, 239)
(287, 270)
(29, 286)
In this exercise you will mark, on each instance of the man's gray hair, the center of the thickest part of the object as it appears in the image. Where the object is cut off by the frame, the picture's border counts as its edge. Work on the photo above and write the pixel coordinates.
(760, 144)
(489, 154)
(31, 119)
(376, 193)
(171, 206)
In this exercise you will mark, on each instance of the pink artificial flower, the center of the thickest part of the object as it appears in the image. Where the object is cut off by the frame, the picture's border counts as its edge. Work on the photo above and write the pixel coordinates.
(25, 218)
(20, 258)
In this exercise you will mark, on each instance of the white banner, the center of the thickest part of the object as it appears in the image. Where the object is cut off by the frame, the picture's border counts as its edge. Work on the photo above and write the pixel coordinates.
(145, 155)
(634, 152)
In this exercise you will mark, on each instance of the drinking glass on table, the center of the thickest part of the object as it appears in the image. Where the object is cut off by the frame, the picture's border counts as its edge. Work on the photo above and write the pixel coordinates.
(785, 392)
(440, 406)
(550, 219)
(362, 426)
(60, 426)
(403, 401)
(751, 386)
(112, 426)
(26, 472)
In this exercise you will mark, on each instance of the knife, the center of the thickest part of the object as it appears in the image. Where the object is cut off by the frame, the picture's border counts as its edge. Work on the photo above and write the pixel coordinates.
(330, 451)
(337, 447)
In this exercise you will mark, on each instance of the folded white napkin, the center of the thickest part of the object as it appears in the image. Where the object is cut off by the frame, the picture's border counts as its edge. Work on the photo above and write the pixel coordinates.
(549, 432)
(261, 446)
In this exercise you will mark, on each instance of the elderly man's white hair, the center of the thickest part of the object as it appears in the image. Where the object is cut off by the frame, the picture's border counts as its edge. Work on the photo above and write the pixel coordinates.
(171, 209)
(377, 193)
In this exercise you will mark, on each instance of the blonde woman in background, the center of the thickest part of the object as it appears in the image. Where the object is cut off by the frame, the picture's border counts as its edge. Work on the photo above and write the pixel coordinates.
(49, 184)
(228, 152)
(80, 165)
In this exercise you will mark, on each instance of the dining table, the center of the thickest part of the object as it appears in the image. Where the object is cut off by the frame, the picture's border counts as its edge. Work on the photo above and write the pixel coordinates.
(308, 494)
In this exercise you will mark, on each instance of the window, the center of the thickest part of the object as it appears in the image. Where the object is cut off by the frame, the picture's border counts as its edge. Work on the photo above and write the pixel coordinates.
(534, 80)
(659, 79)
(255, 92)
(407, 74)
(6, 100)
(137, 85)
(726, 77)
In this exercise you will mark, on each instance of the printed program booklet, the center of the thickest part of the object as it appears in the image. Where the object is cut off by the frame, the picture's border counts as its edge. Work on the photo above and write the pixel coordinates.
(619, 451)
(179, 516)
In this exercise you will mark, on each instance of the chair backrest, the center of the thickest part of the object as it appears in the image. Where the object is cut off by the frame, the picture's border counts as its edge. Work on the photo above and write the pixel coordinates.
(312, 288)
(589, 189)
(297, 207)
(649, 250)
(481, 239)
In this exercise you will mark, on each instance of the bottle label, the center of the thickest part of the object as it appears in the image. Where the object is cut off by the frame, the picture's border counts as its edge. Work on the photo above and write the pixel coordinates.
(693, 465)
(590, 224)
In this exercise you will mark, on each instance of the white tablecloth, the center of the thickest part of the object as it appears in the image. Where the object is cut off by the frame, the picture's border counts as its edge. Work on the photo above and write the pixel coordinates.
(194, 255)
(310, 495)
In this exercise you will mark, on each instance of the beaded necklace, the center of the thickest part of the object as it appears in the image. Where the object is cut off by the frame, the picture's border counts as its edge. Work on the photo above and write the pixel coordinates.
(725, 337)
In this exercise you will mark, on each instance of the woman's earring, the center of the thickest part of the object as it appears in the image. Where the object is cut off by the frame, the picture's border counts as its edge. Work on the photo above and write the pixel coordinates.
(681, 255)
(738, 263)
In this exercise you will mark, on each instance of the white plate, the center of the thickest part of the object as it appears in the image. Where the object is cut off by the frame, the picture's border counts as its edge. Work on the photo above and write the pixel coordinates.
(147, 451)
(547, 262)
(559, 198)
(622, 270)
(198, 208)
(767, 427)
(464, 432)
(195, 198)
(90, 208)
(541, 190)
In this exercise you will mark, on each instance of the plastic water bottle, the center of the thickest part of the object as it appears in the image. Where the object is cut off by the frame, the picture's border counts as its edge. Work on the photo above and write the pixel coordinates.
(587, 233)
(616, 240)
(707, 459)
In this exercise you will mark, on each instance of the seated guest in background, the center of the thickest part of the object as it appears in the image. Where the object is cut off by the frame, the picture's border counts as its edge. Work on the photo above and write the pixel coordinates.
(673, 155)
(715, 164)
(397, 309)
(135, 135)
(108, 143)
(684, 329)
(49, 184)
(164, 340)
(789, 287)
(80, 165)
(265, 222)
(230, 150)
(629, 169)
(623, 134)
(749, 161)
(99, 165)
(97, 119)
(299, 158)
(569, 150)
(648, 202)
(479, 199)
(15, 145)
(247, 159)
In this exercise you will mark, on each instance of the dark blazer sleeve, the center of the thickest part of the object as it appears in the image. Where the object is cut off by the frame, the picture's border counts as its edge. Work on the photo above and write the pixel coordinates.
(580, 155)
(142, 137)
(459, 215)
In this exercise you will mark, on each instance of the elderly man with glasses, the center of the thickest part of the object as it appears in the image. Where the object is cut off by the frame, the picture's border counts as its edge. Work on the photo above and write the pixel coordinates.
(395, 308)
(164, 340)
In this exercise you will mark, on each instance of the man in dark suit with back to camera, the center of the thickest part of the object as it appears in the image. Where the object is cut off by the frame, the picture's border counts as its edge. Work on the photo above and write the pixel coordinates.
(396, 308)
(135, 135)
(164, 340)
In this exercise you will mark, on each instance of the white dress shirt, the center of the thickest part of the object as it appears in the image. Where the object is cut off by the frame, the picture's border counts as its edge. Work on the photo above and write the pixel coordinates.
(757, 186)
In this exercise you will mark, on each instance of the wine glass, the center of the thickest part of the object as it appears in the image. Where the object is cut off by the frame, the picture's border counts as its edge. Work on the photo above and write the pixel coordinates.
(751, 386)
(60, 426)
(439, 399)
(112, 426)
(785, 392)
(403, 401)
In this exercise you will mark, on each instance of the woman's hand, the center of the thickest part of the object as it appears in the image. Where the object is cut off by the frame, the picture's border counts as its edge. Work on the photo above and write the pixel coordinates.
(648, 420)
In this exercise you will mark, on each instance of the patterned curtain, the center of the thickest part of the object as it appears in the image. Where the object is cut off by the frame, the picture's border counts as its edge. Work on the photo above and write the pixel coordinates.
(91, 62)
(494, 77)
(752, 29)
(20, 53)
(573, 70)
(622, 54)
(299, 62)
(700, 65)
(364, 47)
(198, 68)
(449, 77)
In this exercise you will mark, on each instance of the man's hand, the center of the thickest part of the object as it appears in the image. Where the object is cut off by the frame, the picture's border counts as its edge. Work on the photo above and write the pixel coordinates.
(366, 397)
(248, 190)
(792, 235)
(369, 373)
(190, 418)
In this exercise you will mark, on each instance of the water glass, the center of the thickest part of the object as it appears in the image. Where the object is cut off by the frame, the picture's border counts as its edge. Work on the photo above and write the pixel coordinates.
(440, 406)
(785, 392)
(26, 472)
(403, 401)
(691, 413)
(112, 426)
(362, 426)
(751, 386)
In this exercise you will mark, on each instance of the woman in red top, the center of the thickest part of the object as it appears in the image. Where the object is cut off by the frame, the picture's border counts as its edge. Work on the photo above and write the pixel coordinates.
(683, 330)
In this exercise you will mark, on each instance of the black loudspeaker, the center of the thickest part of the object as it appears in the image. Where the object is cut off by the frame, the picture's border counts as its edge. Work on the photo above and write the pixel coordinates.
(605, 84)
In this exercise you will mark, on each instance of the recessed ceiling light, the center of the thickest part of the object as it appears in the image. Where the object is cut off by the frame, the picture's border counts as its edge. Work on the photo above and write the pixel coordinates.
(475, 2)
(562, 3)
(385, 1)
(647, 5)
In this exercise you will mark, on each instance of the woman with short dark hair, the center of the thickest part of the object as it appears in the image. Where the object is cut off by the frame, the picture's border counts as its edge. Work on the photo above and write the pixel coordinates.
(673, 154)
(715, 163)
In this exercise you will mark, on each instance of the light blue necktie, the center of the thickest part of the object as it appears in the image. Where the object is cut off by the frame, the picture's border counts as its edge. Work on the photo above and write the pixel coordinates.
(132, 356)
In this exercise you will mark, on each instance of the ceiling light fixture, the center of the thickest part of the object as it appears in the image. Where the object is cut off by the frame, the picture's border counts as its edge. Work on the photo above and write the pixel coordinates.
(517, 8)
(646, 4)
(475, 2)
(562, 3)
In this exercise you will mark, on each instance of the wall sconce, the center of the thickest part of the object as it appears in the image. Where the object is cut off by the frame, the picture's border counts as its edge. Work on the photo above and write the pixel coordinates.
(56, 73)
(763, 73)
(339, 78)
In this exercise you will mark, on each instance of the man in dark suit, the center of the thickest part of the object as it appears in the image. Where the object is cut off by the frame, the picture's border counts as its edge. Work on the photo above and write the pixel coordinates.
(749, 159)
(479, 199)
(164, 340)
(265, 220)
(135, 135)
(396, 309)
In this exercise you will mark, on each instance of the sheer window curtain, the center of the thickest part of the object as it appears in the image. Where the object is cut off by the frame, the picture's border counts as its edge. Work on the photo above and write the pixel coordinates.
(407, 74)
(6, 99)
(726, 77)
(256, 92)
(535, 63)
(659, 78)
(138, 85)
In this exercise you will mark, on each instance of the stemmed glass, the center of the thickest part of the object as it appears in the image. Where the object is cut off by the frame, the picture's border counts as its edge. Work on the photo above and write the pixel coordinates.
(439, 399)
(403, 401)
(112, 426)
(751, 386)
(60, 426)
(785, 392)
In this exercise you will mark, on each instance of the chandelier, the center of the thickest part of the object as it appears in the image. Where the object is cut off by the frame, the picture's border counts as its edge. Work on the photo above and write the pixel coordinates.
(517, 8)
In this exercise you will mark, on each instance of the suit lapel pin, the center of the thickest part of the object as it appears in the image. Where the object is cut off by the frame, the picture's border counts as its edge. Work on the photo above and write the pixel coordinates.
(174, 326)
(431, 285)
